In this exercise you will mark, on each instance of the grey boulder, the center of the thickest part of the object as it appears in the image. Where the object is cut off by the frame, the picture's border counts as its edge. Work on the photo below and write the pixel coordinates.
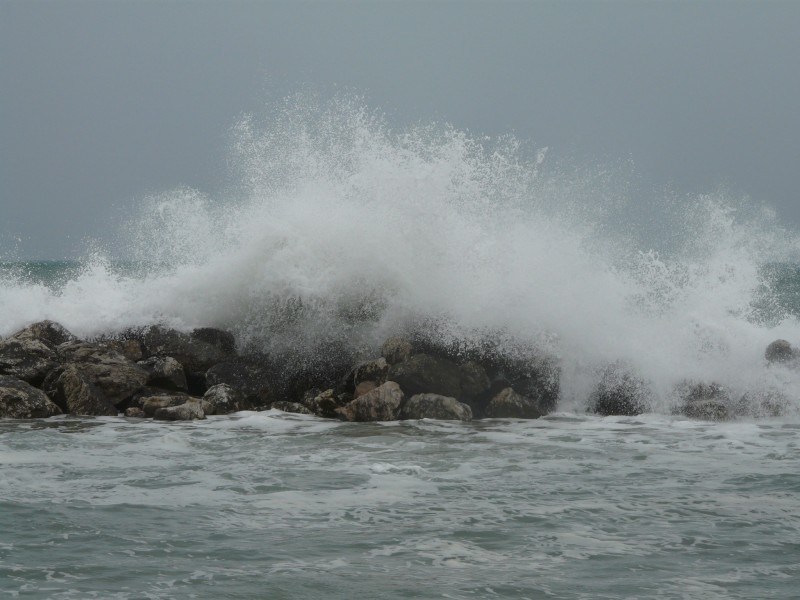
(434, 406)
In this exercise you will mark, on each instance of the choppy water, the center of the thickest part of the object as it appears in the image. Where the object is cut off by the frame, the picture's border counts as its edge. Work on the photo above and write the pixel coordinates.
(271, 505)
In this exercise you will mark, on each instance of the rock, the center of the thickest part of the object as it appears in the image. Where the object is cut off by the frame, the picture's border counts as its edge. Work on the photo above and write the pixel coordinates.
(474, 380)
(291, 407)
(325, 404)
(422, 373)
(27, 358)
(619, 392)
(707, 401)
(218, 338)
(251, 376)
(164, 372)
(76, 394)
(48, 332)
(433, 406)
(130, 349)
(508, 404)
(396, 349)
(225, 399)
(373, 370)
(780, 351)
(364, 387)
(115, 376)
(381, 404)
(20, 400)
(189, 411)
(134, 412)
(151, 404)
(196, 352)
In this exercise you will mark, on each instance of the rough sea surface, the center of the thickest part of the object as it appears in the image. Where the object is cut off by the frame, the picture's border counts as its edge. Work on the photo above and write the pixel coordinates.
(272, 505)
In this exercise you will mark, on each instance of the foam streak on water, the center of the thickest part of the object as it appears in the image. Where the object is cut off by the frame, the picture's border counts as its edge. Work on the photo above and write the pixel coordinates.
(337, 228)
(274, 505)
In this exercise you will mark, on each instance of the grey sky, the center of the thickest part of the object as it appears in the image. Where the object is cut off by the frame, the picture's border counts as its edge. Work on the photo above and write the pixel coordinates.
(103, 102)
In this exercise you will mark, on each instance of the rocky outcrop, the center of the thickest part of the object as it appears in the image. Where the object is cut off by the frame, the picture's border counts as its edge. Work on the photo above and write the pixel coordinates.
(508, 404)
(434, 406)
(423, 373)
(619, 392)
(114, 375)
(381, 404)
(20, 400)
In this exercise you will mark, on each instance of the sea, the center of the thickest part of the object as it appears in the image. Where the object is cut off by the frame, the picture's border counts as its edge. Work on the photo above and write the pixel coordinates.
(335, 230)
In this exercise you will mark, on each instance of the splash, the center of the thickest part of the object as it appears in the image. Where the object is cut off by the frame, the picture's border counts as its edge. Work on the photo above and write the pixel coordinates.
(338, 228)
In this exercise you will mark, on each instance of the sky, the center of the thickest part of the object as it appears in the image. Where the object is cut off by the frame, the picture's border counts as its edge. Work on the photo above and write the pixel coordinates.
(102, 103)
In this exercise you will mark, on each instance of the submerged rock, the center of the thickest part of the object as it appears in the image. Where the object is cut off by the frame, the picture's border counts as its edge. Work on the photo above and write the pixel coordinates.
(381, 404)
(509, 404)
(423, 373)
(434, 406)
(20, 400)
(619, 392)
(707, 401)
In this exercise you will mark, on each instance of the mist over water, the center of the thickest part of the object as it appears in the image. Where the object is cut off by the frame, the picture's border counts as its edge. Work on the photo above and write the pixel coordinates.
(336, 228)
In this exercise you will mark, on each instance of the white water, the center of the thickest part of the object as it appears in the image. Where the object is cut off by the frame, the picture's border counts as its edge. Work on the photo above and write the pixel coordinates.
(337, 227)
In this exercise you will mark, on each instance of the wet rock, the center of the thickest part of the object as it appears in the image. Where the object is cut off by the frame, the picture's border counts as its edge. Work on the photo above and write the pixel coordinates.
(252, 376)
(150, 404)
(134, 412)
(364, 387)
(325, 404)
(780, 351)
(20, 400)
(474, 379)
(291, 407)
(381, 404)
(196, 352)
(164, 372)
(619, 392)
(76, 394)
(27, 359)
(508, 404)
(48, 332)
(707, 401)
(225, 399)
(536, 377)
(396, 349)
(433, 406)
(130, 349)
(189, 411)
(422, 373)
(373, 370)
(114, 375)
(760, 404)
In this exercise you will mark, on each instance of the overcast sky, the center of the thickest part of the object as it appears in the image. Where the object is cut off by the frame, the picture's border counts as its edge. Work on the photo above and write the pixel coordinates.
(104, 102)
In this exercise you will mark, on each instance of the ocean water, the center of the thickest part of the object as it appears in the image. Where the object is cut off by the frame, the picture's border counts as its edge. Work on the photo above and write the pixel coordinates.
(335, 230)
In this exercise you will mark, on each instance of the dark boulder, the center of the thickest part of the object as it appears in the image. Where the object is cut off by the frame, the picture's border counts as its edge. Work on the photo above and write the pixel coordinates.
(196, 352)
(225, 399)
(619, 392)
(253, 376)
(396, 349)
(508, 404)
(423, 373)
(20, 400)
(474, 379)
(373, 370)
(381, 404)
(164, 372)
(218, 338)
(706, 401)
(434, 406)
(780, 351)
